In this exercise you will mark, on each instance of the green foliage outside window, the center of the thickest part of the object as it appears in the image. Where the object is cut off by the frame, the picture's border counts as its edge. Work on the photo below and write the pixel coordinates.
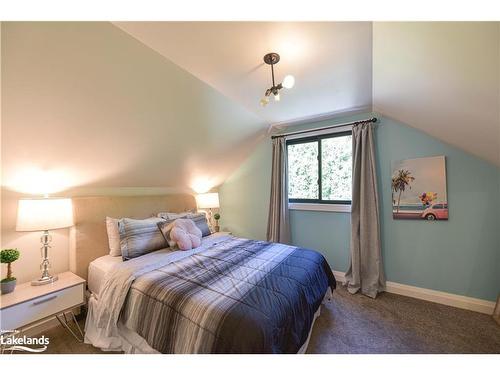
(336, 169)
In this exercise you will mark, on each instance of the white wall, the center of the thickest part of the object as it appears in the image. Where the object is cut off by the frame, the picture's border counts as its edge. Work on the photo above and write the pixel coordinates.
(97, 108)
(442, 78)
(89, 110)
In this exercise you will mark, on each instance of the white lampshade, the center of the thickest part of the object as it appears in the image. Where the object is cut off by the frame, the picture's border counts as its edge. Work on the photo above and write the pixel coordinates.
(44, 214)
(207, 200)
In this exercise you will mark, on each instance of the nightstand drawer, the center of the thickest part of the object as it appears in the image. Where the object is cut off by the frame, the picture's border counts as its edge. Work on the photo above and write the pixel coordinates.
(41, 307)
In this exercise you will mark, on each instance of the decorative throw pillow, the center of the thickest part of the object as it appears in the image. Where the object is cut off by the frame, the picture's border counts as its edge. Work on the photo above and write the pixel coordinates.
(174, 215)
(113, 237)
(200, 220)
(181, 233)
(139, 237)
(165, 227)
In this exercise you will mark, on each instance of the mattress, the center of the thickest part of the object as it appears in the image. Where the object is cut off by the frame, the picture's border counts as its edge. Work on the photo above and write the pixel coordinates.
(98, 268)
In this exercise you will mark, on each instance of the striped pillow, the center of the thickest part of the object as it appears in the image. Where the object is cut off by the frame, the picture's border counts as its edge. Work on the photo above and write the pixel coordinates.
(175, 215)
(201, 222)
(199, 218)
(139, 237)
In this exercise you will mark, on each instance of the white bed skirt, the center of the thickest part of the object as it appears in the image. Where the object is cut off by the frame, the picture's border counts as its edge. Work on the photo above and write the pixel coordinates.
(131, 343)
(127, 341)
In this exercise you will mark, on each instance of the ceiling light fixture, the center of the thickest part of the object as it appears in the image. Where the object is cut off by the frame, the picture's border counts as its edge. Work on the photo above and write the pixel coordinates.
(288, 81)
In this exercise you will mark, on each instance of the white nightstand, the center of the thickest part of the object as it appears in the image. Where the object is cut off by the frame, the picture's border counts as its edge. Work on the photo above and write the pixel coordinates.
(29, 304)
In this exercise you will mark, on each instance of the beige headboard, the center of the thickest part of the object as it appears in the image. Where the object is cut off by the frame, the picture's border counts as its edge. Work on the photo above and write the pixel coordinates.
(89, 239)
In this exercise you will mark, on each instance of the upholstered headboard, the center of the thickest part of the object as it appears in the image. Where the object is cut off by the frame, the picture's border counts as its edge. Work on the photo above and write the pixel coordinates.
(88, 237)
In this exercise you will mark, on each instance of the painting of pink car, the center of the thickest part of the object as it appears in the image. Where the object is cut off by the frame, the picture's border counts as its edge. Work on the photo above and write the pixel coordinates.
(438, 211)
(418, 188)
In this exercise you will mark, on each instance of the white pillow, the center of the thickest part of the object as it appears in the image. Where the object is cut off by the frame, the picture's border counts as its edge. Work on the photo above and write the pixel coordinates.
(113, 237)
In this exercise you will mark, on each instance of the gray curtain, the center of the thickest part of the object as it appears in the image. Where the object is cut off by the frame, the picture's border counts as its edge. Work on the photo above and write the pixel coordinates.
(278, 224)
(365, 272)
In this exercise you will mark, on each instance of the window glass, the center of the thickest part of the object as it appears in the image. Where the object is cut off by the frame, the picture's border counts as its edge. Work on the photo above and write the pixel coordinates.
(303, 171)
(320, 169)
(336, 168)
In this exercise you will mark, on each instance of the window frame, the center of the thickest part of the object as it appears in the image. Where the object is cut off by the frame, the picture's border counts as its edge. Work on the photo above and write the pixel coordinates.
(313, 202)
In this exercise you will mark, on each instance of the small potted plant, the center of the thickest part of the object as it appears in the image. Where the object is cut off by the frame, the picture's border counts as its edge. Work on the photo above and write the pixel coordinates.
(8, 256)
(217, 217)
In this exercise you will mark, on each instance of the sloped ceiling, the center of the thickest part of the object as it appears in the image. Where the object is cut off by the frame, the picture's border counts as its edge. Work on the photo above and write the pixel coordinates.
(331, 61)
(442, 78)
(84, 104)
(176, 105)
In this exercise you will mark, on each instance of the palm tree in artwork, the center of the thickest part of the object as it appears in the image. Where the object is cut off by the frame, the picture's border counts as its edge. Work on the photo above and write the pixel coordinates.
(400, 181)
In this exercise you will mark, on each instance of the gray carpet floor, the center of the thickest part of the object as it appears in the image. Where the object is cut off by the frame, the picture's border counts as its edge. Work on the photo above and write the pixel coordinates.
(398, 324)
(388, 324)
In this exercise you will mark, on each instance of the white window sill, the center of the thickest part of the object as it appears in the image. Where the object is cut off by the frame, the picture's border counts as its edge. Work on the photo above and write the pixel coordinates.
(320, 207)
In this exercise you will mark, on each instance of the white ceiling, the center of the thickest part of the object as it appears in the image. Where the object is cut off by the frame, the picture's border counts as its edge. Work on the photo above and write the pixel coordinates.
(442, 78)
(331, 61)
(106, 111)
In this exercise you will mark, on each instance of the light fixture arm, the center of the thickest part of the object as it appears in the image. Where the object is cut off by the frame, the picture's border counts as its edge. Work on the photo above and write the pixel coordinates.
(272, 59)
(272, 73)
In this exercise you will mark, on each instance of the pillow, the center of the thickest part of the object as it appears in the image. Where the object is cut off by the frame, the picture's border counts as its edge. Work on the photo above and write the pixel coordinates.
(165, 227)
(139, 237)
(174, 215)
(113, 237)
(181, 233)
(200, 220)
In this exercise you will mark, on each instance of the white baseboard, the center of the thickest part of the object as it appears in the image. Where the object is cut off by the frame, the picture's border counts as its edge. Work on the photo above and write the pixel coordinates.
(455, 300)
(339, 276)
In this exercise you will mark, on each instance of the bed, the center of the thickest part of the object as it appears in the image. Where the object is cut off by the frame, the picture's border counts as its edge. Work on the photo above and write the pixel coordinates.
(230, 295)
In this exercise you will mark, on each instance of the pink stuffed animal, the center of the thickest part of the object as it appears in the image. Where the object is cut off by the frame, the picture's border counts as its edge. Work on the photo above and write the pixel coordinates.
(185, 234)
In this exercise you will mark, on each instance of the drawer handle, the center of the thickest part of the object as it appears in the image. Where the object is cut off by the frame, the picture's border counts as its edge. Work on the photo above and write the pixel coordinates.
(39, 302)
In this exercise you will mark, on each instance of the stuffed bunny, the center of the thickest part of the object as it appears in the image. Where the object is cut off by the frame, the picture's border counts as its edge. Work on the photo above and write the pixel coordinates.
(184, 234)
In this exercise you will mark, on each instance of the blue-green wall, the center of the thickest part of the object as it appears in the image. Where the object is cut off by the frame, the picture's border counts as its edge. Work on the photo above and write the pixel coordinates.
(461, 255)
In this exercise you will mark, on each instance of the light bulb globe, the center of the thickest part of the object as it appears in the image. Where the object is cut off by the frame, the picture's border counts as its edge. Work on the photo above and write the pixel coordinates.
(288, 81)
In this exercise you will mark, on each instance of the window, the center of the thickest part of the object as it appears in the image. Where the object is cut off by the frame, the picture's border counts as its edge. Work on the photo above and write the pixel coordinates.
(440, 206)
(320, 169)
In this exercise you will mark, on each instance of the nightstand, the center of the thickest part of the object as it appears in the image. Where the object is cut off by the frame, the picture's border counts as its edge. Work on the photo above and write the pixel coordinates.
(30, 304)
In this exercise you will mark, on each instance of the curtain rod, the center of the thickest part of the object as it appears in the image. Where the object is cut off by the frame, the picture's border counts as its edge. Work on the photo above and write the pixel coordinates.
(373, 119)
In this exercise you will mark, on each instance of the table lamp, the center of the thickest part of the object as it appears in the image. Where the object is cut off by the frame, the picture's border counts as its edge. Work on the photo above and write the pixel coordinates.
(44, 214)
(208, 200)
